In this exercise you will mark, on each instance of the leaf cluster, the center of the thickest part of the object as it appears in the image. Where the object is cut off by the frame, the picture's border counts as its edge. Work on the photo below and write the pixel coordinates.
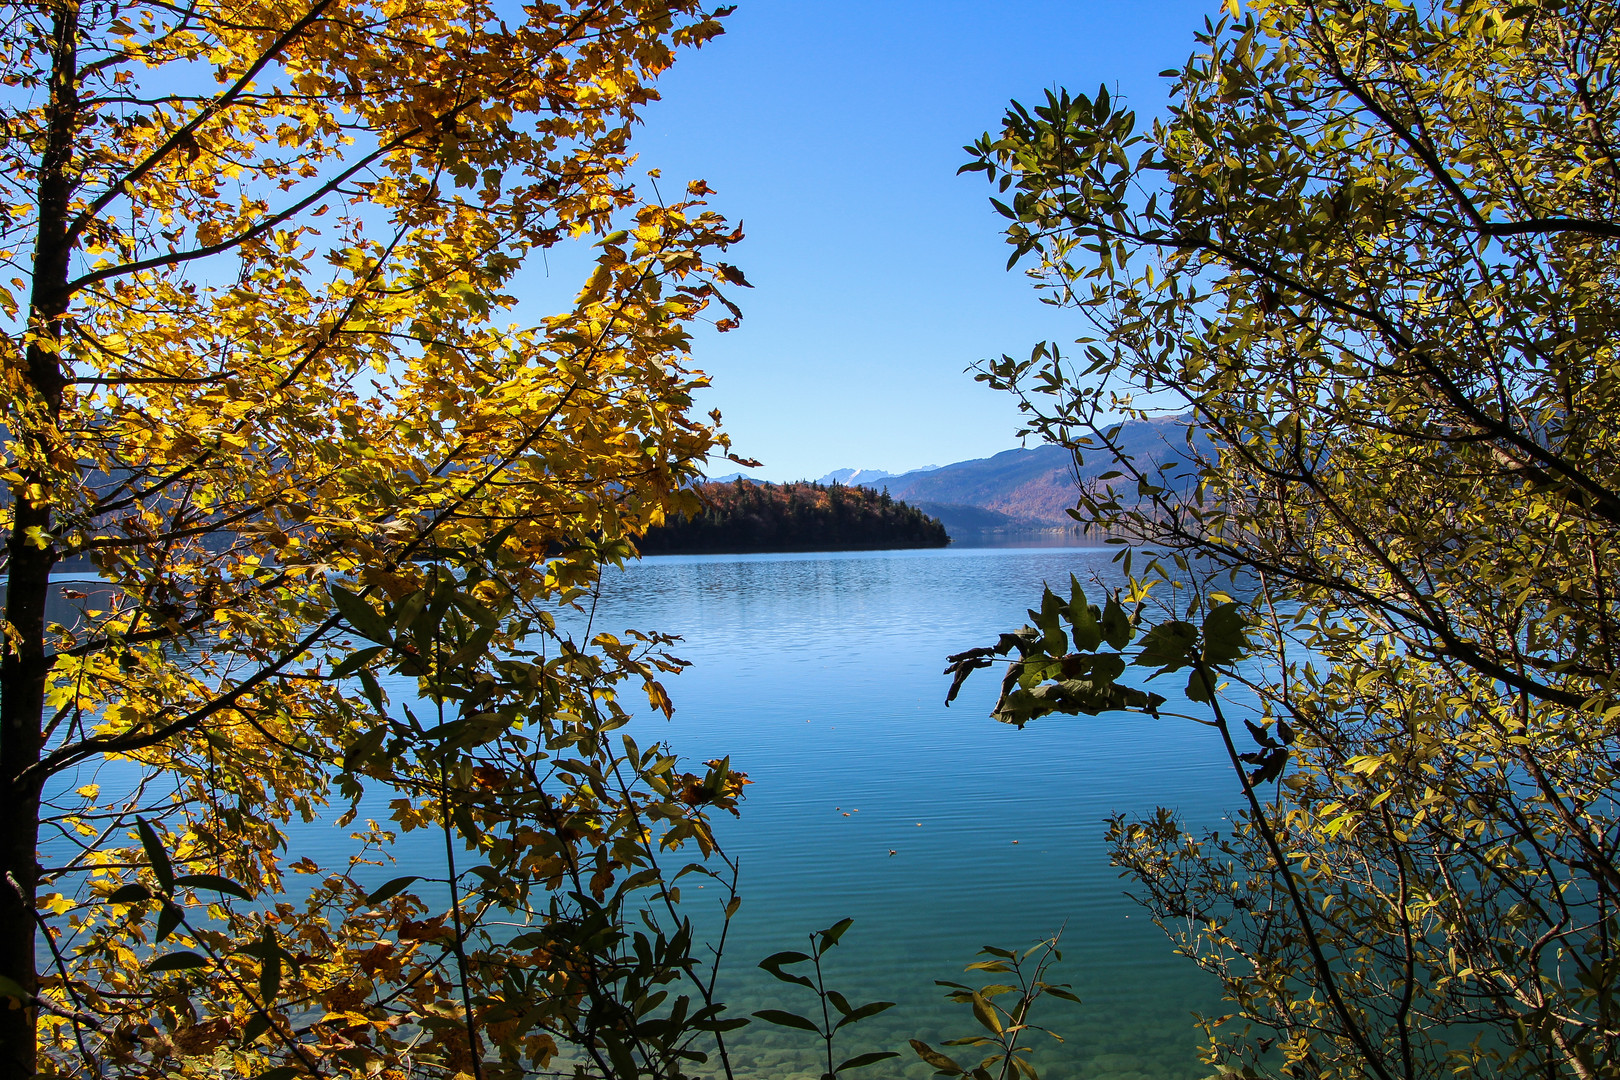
(1368, 259)
(332, 504)
(1003, 1027)
(831, 1001)
(1046, 677)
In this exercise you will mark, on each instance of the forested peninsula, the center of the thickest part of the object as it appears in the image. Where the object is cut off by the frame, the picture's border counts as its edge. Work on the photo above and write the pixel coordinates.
(741, 516)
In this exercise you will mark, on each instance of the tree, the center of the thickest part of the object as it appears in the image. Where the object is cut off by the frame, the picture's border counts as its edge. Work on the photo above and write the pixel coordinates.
(1371, 255)
(262, 386)
(792, 517)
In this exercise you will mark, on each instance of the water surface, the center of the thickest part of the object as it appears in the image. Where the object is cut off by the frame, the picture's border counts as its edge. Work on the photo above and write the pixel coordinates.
(938, 830)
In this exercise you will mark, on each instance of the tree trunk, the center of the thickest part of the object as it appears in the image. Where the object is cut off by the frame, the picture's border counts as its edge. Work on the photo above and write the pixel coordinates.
(25, 665)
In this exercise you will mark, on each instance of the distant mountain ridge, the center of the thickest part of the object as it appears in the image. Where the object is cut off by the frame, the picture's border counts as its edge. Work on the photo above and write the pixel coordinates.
(1030, 488)
(1034, 486)
(867, 477)
(1021, 489)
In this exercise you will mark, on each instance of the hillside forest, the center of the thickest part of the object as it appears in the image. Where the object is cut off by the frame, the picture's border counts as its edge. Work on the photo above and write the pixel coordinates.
(742, 517)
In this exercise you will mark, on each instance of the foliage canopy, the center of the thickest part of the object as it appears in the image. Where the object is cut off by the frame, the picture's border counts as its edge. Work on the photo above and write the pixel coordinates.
(1371, 253)
(263, 395)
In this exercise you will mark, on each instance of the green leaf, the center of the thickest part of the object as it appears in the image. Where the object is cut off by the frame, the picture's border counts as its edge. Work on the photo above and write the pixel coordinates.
(269, 967)
(409, 608)
(355, 661)
(871, 1008)
(619, 1053)
(1168, 646)
(1088, 696)
(1049, 621)
(257, 1025)
(373, 691)
(985, 1013)
(729, 1024)
(357, 752)
(476, 646)
(358, 613)
(156, 855)
(774, 962)
(132, 893)
(786, 1019)
(476, 611)
(939, 1061)
(169, 917)
(830, 936)
(1116, 625)
(356, 1056)
(11, 988)
(1198, 686)
(862, 1060)
(213, 882)
(391, 888)
(1225, 639)
(177, 961)
(1083, 619)
(1040, 946)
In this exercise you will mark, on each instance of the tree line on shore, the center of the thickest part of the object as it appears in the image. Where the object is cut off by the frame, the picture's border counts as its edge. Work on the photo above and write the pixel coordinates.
(743, 516)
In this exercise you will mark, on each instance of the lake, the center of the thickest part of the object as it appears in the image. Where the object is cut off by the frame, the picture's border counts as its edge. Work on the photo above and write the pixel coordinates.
(937, 829)
(821, 676)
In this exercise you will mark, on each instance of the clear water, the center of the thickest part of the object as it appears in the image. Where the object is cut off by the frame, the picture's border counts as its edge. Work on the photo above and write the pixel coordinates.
(821, 676)
(938, 830)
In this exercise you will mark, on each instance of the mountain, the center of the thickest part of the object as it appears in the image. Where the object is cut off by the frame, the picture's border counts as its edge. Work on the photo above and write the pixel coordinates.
(1033, 488)
(854, 477)
(959, 519)
(866, 477)
(1020, 489)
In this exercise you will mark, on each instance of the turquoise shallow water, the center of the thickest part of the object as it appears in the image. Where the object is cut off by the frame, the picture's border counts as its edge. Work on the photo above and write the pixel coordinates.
(938, 830)
(821, 676)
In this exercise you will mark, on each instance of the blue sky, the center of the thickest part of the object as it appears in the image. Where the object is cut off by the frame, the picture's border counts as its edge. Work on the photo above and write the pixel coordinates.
(833, 130)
